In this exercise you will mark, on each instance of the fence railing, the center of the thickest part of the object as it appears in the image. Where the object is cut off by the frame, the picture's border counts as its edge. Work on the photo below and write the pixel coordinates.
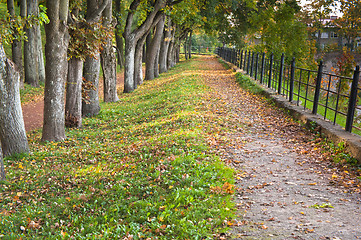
(333, 97)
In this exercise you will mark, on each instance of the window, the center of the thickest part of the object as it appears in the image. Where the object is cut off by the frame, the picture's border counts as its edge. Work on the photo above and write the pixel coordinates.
(324, 35)
(333, 35)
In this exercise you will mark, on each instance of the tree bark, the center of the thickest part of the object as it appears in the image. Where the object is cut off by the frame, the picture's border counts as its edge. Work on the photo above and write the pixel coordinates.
(12, 129)
(41, 65)
(186, 47)
(73, 106)
(129, 82)
(91, 106)
(138, 62)
(156, 63)
(57, 40)
(152, 52)
(31, 58)
(108, 61)
(2, 168)
(177, 53)
(170, 56)
(190, 45)
(164, 48)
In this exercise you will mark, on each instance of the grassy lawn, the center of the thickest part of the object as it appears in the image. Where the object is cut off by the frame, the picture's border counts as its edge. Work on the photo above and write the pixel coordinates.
(142, 168)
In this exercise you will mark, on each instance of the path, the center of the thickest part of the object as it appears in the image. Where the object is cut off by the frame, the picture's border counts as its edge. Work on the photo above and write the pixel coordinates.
(285, 182)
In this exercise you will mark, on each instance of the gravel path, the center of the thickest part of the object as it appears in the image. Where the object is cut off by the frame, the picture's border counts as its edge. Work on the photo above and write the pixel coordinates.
(286, 186)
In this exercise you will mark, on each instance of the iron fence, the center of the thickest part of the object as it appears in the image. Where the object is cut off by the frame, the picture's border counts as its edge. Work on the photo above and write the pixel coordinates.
(333, 97)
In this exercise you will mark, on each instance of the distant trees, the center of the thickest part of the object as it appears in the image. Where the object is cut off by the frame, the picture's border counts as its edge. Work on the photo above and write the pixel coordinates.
(350, 22)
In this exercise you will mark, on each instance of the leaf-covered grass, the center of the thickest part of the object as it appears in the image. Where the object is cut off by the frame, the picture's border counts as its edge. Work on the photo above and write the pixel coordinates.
(142, 168)
(30, 93)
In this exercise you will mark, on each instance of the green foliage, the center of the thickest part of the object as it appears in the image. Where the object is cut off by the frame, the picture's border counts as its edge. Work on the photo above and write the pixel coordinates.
(142, 168)
(281, 31)
(324, 205)
(11, 28)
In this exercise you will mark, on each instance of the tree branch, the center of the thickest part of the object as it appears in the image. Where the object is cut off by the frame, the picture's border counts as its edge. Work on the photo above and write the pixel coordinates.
(98, 12)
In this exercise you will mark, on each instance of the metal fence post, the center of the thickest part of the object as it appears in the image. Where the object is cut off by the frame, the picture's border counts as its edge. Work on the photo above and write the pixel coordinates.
(234, 56)
(292, 78)
(262, 66)
(249, 60)
(281, 73)
(318, 88)
(238, 56)
(270, 71)
(240, 62)
(252, 63)
(352, 100)
(256, 67)
(245, 57)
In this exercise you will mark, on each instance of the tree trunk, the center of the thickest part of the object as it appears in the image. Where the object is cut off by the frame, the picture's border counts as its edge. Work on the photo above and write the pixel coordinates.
(190, 45)
(109, 63)
(177, 53)
(40, 54)
(73, 106)
(118, 35)
(138, 63)
(120, 48)
(170, 57)
(152, 52)
(91, 107)
(57, 40)
(2, 168)
(164, 48)
(16, 46)
(31, 63)
(12, 129)
(129, 64)
(186, 47)
(156, 63)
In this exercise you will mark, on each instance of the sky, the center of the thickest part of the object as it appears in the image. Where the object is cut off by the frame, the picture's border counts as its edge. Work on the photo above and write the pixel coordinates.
(336, 12)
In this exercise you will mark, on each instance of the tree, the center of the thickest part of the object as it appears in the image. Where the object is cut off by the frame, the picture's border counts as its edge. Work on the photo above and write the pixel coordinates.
(313, 15)
(120, 15)
(2, 167)
(132, 37)
(12, 129)
(350, 22)
(56, 46)
(86, 39)
(280, 30)
(91, 70)
(151, 62)
(31, 51)
(108, 61)
(165, 46)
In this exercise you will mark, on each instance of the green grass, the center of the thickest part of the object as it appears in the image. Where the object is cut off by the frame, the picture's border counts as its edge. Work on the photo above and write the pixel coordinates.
(142, 167)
